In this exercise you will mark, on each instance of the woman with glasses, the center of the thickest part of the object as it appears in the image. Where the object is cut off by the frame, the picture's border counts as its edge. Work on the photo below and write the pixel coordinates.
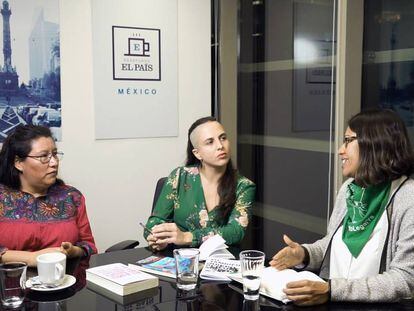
(367, 254)
(39, 213)
(205, 197)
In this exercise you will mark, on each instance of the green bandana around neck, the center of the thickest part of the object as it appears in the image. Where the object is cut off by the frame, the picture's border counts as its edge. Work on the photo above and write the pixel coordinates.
(365, 207)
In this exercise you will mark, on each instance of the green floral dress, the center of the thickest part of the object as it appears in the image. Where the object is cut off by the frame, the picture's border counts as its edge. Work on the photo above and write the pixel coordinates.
(182, 201)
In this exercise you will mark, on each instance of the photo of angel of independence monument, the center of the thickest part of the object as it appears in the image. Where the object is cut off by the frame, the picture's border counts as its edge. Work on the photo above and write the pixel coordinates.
(38, 100)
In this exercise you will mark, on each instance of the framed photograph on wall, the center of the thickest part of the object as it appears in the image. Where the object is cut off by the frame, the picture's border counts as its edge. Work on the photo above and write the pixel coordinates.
(30, 71)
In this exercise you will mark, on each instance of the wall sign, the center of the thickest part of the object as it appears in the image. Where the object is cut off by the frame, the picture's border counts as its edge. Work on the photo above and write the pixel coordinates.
(136, 53)
(135, 68)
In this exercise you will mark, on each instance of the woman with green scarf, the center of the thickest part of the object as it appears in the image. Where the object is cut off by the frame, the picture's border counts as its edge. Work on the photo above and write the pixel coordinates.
(368, 252)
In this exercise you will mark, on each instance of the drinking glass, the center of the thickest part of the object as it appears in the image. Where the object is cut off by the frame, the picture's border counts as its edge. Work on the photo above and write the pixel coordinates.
(252, 263)
(186, 263)
(12, 283)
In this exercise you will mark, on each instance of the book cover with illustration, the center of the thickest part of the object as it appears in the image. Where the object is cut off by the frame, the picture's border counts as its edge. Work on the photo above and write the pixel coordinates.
(161, 265)
(214, 246)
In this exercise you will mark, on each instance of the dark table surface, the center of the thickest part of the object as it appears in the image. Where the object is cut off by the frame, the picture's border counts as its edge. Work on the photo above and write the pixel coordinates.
(209, 296)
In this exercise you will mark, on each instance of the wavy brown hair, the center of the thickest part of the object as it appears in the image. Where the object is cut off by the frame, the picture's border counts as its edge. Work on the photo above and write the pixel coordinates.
(385, 151)
(228, 182)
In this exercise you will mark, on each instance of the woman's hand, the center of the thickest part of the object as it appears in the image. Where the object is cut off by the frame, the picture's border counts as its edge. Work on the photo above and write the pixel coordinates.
(71, 250)
(292, 255)
(32, 258)
(307, 293)
(152, 243)
(169, 233)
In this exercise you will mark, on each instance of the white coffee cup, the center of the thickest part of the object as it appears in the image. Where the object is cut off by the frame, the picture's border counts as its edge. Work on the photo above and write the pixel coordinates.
(51, 268)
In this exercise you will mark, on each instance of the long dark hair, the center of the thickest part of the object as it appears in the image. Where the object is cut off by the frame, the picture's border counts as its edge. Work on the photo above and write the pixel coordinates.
(18, 145)
(385, 151)
(227, 183)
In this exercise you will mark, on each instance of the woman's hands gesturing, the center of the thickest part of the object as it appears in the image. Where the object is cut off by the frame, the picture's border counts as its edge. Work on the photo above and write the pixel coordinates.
(291, 255)
(303, 292)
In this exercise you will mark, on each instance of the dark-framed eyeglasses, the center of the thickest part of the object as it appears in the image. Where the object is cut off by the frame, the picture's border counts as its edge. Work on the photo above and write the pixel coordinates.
(349, 139)
(45, 158)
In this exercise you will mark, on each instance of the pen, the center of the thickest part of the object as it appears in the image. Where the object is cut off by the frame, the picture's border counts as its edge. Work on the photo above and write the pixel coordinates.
(145, 228)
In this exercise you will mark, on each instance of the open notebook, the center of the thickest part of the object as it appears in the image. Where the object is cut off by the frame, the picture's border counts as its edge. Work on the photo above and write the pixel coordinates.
(274, 281)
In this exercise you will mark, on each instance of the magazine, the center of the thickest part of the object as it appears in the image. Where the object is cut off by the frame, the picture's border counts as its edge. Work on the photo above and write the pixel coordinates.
(161, 265)
(219, 269)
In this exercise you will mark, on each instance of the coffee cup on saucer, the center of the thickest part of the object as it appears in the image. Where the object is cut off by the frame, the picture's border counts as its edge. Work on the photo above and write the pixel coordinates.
(51, 268)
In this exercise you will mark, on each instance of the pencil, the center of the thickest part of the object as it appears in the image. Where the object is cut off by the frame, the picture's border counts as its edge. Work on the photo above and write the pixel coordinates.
(145, 228)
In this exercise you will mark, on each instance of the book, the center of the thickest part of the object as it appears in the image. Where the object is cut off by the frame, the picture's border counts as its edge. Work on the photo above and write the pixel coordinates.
(144, 297)
(219, 269)
(121, 279)
(214, 246)
(161, 265)
(273, 281)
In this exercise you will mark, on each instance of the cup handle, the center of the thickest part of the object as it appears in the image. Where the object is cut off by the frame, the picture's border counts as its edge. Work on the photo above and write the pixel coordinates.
(59, 272)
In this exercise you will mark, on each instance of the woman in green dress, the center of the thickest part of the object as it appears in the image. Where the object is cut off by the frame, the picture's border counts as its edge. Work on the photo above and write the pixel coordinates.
(205, 197)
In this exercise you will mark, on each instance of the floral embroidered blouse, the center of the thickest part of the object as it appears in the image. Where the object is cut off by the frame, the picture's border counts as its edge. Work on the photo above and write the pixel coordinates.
(182, 201)
(30, 224)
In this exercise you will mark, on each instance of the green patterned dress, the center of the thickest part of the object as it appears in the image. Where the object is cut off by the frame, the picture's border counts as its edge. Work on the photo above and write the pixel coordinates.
(182, 201)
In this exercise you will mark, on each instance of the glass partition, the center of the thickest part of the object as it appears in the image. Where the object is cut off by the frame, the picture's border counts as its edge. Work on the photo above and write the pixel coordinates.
(285, 109)
(388, 63)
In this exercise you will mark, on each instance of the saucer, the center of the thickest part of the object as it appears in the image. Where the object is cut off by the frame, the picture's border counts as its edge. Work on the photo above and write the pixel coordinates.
(68, 281)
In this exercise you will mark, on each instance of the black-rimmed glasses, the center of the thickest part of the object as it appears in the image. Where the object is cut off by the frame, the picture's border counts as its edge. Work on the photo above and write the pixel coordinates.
(349, 139)
(45, 158)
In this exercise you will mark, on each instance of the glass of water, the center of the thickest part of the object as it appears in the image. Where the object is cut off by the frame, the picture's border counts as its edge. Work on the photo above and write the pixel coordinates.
(12, 283)
(186, 263)
(252, 263)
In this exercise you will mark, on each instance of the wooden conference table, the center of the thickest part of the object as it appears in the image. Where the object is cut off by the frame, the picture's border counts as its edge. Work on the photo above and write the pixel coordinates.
(209, 296)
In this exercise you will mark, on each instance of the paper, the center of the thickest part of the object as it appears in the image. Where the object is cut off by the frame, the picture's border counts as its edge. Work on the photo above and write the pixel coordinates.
(214, 246)
(219, 269)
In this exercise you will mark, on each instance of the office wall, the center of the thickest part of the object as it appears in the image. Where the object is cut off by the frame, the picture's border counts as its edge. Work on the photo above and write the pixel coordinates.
(118, 177)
